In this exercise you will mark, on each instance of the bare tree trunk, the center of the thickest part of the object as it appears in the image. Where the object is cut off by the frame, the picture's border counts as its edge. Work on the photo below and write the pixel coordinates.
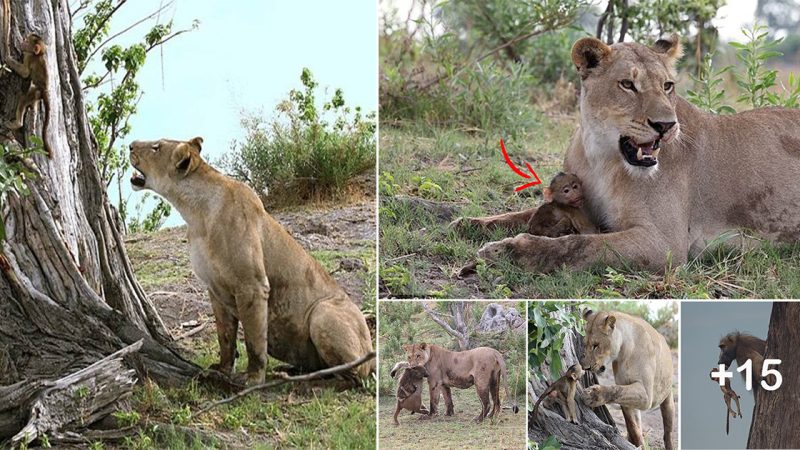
(459, 329)
(776, 412)
(68, 296)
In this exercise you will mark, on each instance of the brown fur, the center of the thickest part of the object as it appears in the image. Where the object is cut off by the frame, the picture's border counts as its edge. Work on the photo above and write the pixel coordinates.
(727, 394)
(561, 215)
(482, 367)
(675, 209)
(642, 366)
(563, 391)
(409, 389)
(33, 66)
(741, 347)
(247, 259)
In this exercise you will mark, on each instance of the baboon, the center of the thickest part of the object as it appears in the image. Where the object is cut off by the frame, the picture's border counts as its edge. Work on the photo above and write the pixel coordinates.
(741, 347)
(33, 66)
(561, 215)
(409, 389)
(727, 394)
(563, 391)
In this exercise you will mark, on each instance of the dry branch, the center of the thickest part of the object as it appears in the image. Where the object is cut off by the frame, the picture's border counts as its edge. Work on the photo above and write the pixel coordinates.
(286, 379)
(77, 399)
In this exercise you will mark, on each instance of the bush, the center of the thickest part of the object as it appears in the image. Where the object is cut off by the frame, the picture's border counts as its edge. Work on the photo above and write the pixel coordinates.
(305, 152)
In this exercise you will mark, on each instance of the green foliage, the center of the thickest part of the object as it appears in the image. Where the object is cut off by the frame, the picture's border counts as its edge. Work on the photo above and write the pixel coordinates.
(756, 80)
(152, 220)
(305, 151)
(15, 174)
(548, 325)
(111, 105)
(709, 96)
(127, 418)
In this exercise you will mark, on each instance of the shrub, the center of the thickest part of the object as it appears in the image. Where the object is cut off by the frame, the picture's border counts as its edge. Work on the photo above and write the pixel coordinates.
(304, 152)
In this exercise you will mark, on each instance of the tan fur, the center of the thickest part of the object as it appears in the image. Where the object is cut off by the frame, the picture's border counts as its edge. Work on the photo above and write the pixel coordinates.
(728, 394)
(33, 66)
(642, 366)
(409, 389)
(715, 174)
(255, 271)
(563, 391)
(482, 367)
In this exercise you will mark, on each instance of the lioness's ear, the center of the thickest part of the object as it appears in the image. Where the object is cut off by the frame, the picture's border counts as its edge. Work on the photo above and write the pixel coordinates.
(587, 54)
(197, 142)
(610, 321)
(423, 346)
(185, 161)
(407, 348)
(588, 313)
(669, 47)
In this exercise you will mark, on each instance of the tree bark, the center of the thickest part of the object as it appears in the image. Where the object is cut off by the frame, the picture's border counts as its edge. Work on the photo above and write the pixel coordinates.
(596, 428)
(68, 295)
(777, 413)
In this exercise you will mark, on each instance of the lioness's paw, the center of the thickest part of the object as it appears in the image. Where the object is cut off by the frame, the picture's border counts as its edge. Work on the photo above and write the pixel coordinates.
(593, 396)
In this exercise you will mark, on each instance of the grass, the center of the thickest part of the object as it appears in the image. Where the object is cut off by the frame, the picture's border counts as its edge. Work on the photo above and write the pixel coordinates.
(465, 171)
(507, 430)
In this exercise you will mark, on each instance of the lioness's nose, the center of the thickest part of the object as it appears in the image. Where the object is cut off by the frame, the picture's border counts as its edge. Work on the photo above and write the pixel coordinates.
(130, 146)
(661, 127)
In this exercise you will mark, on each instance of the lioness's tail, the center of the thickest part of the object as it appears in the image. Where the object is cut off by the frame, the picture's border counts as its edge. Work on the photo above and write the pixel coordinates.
(504, 375)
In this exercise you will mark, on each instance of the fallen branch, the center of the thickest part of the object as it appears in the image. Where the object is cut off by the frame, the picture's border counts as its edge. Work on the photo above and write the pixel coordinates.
(192, 332)
(286, 379)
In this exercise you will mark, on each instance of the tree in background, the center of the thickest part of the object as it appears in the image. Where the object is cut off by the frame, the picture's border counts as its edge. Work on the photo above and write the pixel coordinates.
(113, 93)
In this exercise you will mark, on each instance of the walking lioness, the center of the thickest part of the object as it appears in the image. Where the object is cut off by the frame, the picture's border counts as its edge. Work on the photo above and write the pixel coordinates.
(662, 177)
(255, 271)
(642, 365)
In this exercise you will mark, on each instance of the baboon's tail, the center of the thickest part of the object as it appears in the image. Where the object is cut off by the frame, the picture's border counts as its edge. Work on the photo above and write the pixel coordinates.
(504, 376)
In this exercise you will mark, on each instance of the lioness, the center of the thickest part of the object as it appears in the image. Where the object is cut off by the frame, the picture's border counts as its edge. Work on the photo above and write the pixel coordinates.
(483, 367)
(662, 177)
(642, 365)
(255, 271)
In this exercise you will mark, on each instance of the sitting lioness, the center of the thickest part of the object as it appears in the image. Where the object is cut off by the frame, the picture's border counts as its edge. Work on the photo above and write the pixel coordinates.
(255, 271)
(642, 365)
(661, 177)
(483, 367)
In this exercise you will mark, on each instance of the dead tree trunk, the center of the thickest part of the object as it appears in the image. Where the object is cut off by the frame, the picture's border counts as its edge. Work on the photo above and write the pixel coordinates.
(596, 428)
(459, 329)
(68, 296)
(777, 411)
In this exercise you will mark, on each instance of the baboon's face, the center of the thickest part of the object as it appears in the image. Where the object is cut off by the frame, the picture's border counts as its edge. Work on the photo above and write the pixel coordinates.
(576, 372)
(597, 342)
(727, 350)
(417, 354)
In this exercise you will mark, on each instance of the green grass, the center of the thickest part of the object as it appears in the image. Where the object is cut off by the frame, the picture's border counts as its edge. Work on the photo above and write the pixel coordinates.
(285, 416)
(421, 255)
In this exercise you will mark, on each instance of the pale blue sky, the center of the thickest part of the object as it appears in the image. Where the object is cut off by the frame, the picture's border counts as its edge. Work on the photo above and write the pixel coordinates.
(702, 406)
(246, 56)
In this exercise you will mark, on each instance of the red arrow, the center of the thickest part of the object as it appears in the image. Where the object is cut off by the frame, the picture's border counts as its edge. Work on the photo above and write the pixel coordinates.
(519, 172)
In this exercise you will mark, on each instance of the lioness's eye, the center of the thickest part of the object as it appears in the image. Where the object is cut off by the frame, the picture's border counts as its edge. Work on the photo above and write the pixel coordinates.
(627, 84)
(668, 86)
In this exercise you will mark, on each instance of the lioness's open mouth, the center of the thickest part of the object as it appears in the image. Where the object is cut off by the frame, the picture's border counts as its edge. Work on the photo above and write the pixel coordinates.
(645, 155)
(138, 179)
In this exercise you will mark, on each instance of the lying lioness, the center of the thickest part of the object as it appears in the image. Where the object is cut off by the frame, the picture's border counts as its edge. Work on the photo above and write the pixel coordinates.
(255, 271)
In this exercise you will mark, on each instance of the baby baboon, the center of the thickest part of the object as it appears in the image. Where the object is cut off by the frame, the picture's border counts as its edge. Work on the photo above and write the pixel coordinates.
(561, 215)
(33, 66)
(563, 391)
(409, 389)
(727, 394)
